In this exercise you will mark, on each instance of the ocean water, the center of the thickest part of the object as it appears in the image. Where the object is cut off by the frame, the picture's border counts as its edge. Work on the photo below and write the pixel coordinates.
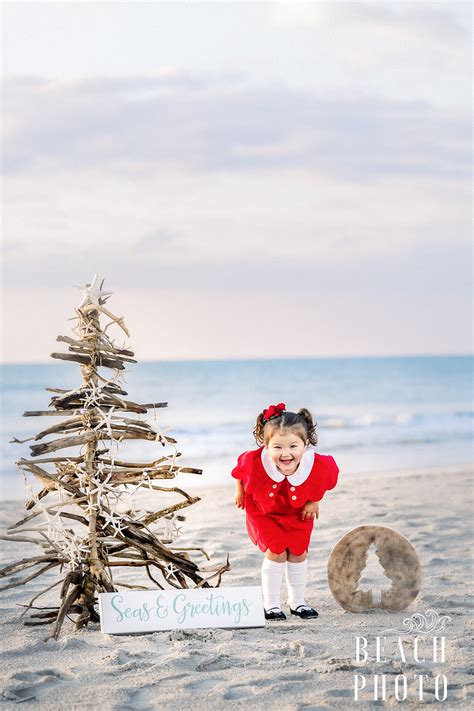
(373, 414)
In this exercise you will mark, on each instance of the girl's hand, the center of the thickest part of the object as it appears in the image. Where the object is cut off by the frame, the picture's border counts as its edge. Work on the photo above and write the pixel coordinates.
(239, 494)
(239, 500)
(310, 510)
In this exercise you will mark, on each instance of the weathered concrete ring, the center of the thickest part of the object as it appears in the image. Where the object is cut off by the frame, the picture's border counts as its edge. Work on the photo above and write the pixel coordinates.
(399, 561)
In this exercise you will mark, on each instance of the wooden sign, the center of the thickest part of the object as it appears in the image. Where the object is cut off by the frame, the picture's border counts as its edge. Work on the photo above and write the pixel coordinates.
(131, 612)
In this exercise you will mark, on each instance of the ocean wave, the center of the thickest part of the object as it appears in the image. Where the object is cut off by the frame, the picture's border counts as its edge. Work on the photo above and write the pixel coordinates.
(365, 420)
(361, 421)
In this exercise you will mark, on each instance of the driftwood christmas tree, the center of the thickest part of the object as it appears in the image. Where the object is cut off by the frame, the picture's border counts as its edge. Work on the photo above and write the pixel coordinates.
(82, 531)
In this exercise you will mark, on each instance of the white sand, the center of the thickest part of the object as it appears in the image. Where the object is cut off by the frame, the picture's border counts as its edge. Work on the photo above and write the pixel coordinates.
(294, 664)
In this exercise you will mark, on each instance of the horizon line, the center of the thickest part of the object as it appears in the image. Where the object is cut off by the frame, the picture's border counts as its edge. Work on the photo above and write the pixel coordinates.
(262, 358)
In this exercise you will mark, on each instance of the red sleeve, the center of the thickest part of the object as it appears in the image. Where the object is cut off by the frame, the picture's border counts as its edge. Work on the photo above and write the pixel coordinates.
(325, 479)
(241, 470)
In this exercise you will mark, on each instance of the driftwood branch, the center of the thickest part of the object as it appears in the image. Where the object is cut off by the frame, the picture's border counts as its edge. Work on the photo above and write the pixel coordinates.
(104, 361)
(104, 345)
(115, 319)
(30, 577)
(141, 465)
(49, 480)
(67, 604)
(151, 518)
(51, 460)
(27, 563)
(64, 443)
(74, 423)
(33, 599)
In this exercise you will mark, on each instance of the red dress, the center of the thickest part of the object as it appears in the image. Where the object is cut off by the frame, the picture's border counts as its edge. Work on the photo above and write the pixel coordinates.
(273, 508)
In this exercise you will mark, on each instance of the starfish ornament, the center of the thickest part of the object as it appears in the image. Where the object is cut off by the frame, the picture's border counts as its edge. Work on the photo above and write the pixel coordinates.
(170, 571)
(93, 294)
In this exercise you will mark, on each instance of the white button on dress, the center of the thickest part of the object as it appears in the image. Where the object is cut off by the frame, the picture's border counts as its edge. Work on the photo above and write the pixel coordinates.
(293, 497)
(271, 494)
(292, 488)
(274, 486)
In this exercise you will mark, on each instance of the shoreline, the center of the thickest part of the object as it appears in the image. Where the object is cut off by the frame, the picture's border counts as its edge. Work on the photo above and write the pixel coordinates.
(253, 359)
(378, 475)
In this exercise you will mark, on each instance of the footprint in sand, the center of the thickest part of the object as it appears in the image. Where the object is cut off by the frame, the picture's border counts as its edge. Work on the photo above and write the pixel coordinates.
(145, 699)
(202, 685)
(141, 700)
(206, 635)
(341, 693)
(246, 689)
(215, 662)
(295, 648)
(242, 691)
(343, 664)
(253, 688)
(26, 686)
(125, 661)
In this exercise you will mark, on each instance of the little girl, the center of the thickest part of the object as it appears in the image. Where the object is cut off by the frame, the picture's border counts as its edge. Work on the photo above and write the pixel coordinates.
(280, 485)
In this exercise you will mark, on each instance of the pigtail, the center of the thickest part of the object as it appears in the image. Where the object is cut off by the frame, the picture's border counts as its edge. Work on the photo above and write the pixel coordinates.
(310, 425)
(258, 431)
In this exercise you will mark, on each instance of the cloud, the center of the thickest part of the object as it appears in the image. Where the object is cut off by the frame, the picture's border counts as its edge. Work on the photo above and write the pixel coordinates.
(205, 127)
(154, 242)
(100, 218)
(432, 20)
(400, 50)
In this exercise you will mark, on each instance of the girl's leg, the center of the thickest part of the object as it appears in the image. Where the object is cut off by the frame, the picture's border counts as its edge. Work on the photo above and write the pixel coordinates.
(278, 557)
(273, 567)
(296, 578)
(297, 558)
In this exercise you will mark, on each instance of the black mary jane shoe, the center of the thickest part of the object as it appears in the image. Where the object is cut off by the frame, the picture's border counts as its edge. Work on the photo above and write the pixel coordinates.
(305, 612)
(274, 613)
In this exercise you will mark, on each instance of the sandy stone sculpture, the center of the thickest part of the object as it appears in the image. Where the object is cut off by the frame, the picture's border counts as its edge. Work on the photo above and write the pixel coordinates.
(83, 519)
(399, 562)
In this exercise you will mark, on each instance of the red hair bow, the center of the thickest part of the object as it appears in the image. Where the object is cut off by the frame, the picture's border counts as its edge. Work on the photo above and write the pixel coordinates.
(273, 411)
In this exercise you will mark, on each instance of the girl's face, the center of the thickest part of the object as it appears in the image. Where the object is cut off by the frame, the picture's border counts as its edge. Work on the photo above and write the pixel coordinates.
(286, 451)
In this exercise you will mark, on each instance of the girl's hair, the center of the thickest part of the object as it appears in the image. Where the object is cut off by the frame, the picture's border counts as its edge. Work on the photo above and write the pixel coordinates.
(301, 423)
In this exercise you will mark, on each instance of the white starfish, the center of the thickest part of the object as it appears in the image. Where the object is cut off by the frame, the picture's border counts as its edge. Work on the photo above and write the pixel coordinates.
(171, 530)
(74, 548)
(82, 476)
(106, 419)
(115, 521)
(146, 482)
(93, 395)
(93, 294)
(170, 571)
(87, 329)
(69, 393)
(153, 424)
(101, 487)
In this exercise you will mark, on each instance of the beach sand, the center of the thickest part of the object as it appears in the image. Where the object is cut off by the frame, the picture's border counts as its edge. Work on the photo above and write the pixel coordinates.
(294, 664)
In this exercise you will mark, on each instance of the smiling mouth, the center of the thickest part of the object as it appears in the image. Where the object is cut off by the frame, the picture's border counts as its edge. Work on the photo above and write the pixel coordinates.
(286, 461)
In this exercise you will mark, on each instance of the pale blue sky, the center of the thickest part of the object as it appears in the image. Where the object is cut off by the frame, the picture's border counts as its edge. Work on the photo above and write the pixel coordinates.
(331, 46)
(251, 178)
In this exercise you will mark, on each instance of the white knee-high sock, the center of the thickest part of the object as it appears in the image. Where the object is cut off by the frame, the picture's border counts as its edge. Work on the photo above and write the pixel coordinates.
(296, 577)
(272, 575)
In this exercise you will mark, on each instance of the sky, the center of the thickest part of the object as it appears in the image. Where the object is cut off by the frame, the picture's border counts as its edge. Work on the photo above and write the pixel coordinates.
(252, 179)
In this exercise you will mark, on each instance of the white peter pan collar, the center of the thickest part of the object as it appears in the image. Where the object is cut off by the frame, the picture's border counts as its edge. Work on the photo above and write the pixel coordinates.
(301, 474)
